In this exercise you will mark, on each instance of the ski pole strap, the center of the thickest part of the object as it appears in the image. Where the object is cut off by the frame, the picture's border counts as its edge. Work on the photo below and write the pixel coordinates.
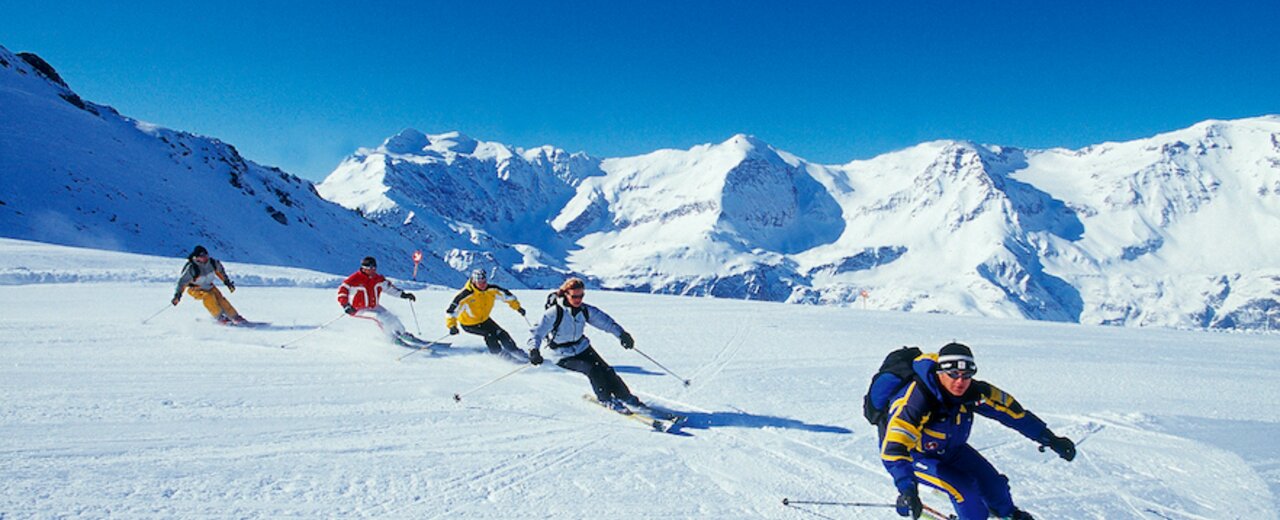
(668, 370)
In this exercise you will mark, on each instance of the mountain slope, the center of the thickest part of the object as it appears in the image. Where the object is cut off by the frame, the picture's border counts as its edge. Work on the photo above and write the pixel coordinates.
(1170, 230)
(77, 173)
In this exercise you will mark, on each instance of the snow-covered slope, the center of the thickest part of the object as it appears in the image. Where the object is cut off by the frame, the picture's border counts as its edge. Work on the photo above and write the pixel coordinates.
(1160, 231)
(74, 172)
(101, 416)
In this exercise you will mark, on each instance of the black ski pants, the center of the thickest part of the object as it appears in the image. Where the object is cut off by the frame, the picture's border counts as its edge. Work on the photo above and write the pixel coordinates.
(495, 337)
(604, 380)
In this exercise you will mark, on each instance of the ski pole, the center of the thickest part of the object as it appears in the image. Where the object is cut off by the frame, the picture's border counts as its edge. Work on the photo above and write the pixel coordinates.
(313, 331)
(937, 515)
(166, 307)
(424, 347)
(458, 397)
(673, 374)
(415, 318)
(788, 501)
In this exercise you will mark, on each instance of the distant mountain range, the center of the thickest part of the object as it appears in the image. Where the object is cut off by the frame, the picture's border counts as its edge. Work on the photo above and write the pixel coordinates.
(1174, 230)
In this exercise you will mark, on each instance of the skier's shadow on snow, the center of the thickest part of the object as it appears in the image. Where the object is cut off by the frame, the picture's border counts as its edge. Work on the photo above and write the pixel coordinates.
(629, 369)
(743, 419)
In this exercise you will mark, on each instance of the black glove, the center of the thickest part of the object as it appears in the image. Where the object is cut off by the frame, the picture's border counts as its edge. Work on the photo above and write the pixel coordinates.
(453, 331)
(628, 342)
(535, 357)
(176, 297)
(1063, 446)
(231, 286)
(909, 503)
(409, 296)
(520, 310)
(349, 309)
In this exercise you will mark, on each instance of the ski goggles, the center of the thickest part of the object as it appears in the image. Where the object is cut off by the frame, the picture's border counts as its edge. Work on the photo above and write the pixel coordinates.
(576, 296)
(960, 373)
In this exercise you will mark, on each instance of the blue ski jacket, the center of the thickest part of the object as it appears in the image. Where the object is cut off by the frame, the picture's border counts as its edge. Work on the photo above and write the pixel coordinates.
(927, 421)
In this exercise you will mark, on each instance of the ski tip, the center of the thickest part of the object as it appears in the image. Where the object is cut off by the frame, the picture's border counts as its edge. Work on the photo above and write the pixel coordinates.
(786, 501)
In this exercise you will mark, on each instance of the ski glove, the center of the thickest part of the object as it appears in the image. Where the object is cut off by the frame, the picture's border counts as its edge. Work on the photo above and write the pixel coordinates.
(409, 296)
(628, 342)
(231, 286)
(349, 309)
(453, 331)
(520, 310)
(1063, 446)
(909, 503)
(535, 357)
(176, 297)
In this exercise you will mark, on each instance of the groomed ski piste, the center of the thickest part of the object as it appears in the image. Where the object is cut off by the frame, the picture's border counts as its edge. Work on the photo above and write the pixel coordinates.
(104, 416)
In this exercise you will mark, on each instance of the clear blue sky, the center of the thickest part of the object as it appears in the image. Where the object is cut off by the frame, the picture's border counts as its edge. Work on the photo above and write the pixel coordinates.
(301, 84)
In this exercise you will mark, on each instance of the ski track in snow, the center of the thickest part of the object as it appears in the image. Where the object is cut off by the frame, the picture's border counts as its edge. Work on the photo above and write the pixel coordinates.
(102, 416)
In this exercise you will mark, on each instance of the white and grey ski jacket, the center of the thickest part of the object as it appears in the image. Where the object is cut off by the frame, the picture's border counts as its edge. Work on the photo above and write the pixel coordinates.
(568, 339)
(200, 275)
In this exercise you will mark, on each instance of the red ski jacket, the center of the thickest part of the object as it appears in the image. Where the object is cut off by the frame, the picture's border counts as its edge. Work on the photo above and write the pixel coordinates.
(362, 291)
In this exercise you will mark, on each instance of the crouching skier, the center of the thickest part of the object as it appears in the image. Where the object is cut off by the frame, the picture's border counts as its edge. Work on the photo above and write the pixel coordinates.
(471, 308)
(197, 278)
(359, 294)
(563, 325)
(925, 437)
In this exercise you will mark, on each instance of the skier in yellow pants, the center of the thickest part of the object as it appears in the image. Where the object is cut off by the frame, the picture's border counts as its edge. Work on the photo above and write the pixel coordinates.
(197, 278)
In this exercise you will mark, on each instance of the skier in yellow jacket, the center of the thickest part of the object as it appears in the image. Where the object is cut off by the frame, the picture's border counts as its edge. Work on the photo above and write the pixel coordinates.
(471, 308)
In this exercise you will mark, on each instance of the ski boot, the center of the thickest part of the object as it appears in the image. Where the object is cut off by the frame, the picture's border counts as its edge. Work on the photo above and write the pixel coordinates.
(616, 405)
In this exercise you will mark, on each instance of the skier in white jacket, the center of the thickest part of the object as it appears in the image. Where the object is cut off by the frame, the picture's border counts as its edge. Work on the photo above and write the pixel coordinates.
(563, 326)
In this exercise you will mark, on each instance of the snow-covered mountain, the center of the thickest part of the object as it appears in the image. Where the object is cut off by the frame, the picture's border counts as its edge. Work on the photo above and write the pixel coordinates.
(476, 204)
(1161, 231)
(78, 173)
(1171, 230)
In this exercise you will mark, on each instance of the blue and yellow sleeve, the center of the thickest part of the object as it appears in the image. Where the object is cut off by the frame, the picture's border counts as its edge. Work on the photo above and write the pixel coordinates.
(1001, 406)
(907, 416)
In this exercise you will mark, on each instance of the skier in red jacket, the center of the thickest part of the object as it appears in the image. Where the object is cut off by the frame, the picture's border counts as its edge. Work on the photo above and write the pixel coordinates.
(359, 293)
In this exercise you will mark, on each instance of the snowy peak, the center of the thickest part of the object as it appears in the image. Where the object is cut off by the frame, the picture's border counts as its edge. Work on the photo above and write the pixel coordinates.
(407, 142)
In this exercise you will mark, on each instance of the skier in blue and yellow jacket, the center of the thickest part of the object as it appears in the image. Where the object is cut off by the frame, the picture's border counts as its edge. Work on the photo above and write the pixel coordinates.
(925, 438)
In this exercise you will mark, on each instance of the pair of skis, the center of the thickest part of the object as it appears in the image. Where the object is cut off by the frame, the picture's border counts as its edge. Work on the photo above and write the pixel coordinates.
(657, 420)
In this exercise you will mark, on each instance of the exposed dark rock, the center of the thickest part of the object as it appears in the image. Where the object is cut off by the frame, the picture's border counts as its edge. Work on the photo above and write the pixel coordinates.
(276, 214)
(42, 67)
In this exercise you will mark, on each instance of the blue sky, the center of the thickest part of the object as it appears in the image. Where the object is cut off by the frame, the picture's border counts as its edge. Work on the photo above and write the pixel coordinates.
(301, 84)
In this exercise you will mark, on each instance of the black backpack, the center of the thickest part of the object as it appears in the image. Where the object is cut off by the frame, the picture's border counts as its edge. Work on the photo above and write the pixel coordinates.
(895, 373)
(553, 300)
